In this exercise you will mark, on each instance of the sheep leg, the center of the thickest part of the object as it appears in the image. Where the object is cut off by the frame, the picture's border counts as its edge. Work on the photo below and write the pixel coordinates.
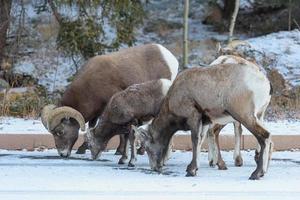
(212, 159)
(265, 143)
(216, 157)
(132, 140)
(238, 160)
(260, 116)
(125, 153)
(83, 147)
(221, 164)
(167, 157)
(246, 116)
(198, 135)
(122, 145)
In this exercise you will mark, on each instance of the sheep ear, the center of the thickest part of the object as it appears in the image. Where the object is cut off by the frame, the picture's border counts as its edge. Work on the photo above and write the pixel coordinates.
(140, 133)
(134, 128)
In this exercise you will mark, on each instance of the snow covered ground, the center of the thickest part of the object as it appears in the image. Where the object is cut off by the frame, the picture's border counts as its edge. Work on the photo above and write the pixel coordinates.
(29, 126)
(43, 175)
(281, 51)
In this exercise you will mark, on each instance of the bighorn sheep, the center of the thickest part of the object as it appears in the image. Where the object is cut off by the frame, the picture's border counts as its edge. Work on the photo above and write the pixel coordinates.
(202, 97)
(86, 97)
(138, 103)
(215, 157)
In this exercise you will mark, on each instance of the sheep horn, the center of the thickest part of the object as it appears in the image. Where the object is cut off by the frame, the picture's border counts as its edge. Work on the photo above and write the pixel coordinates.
(45, 114)
(55, 116)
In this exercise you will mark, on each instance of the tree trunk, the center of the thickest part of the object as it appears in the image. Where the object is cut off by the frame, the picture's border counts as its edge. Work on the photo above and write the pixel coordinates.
(185, 34)
(233, 18)
(5, 6)
(290, 15)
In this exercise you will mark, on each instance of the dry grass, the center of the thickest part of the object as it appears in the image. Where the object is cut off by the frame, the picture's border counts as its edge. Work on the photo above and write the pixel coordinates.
(24, 104)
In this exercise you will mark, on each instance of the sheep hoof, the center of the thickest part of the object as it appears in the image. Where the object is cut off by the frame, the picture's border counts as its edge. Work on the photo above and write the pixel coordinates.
(238, 161)
(256, 175)
(222, 167)
(211, 163)
(131, 164)
(191, 170)
(122, 161)
(191, 173)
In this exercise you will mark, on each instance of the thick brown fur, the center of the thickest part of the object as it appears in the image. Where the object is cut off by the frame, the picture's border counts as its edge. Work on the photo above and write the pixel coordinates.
(105, 75)
(101, 77)
(138, 103)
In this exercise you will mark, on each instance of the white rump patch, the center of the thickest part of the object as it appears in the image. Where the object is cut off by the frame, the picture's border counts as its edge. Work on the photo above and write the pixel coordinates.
(165, 86)
(258, 83)
(170, 60)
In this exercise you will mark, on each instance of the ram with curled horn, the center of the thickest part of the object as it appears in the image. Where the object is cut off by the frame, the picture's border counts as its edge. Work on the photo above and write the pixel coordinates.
(100, 78)
(58, 120)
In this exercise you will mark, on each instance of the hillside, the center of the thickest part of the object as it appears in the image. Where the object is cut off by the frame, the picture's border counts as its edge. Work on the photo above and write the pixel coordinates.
(277, 52)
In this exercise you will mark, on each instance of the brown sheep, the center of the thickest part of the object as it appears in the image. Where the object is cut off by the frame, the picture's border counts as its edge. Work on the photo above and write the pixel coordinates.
(102, 76)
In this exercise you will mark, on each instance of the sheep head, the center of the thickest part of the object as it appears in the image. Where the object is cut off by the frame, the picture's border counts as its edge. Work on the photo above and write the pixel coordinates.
(63, 123)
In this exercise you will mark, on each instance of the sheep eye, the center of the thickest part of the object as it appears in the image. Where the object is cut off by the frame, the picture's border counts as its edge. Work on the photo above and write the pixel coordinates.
(59, 133)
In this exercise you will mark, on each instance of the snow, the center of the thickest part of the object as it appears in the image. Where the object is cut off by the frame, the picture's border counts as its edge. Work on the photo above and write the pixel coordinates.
(21, 126)
(51, 73)
(10, 125)
(284, 127)
(247, 5)
(36, 175)
(281, 51)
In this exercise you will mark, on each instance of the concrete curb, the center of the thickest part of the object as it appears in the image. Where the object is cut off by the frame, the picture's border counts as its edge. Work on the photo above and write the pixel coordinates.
(180, 142)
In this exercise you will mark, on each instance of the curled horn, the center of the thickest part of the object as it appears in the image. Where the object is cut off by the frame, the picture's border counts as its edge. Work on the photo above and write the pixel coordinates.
(53, 116)
(45, 114)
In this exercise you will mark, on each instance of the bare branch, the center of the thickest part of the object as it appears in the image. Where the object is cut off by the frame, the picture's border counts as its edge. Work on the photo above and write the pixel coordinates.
(233, 18)
(185, 34)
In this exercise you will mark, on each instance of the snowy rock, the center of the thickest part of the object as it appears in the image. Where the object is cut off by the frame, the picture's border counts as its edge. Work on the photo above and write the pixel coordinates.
(278, 51)
(278, 54)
